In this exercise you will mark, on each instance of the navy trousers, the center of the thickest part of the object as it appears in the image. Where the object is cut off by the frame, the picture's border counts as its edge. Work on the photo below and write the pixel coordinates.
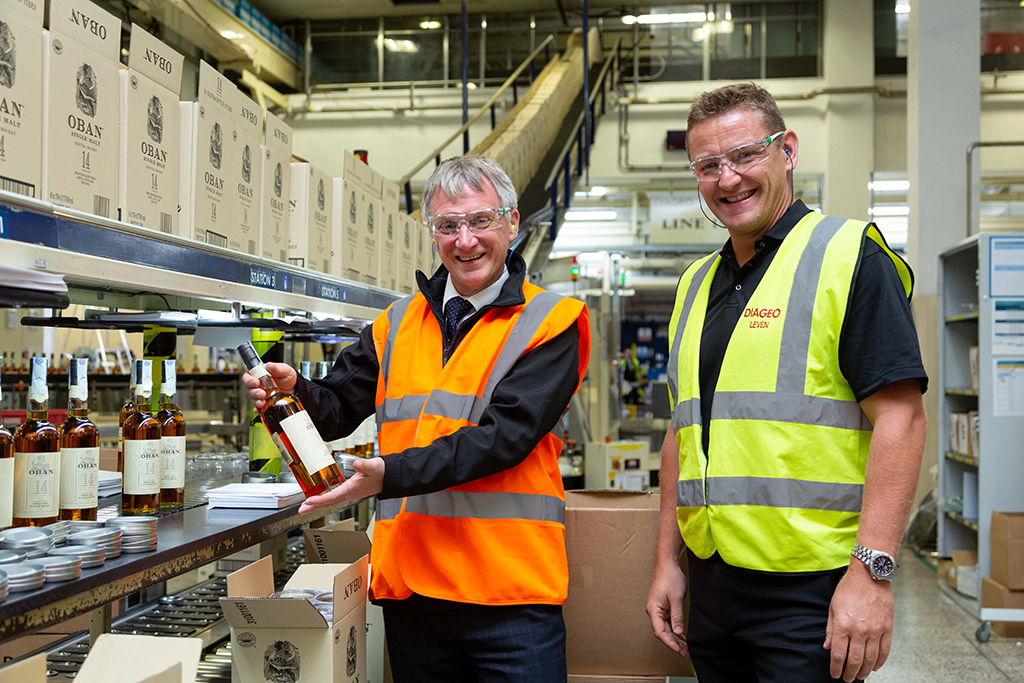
(459, 643)
(758, 627)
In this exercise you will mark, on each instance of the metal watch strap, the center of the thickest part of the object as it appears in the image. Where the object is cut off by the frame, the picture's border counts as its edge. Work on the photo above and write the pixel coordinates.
(867, 556)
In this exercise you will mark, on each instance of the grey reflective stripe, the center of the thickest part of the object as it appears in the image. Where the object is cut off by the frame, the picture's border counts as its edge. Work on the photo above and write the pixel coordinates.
(686, 414)
(690, 493)
(389, 508)
(691, 294)
(395, 315)
(785, 493)
(529, 321)
(405, 408)
(453, 406)
(795, 408)
(488, 505)
(796, 329)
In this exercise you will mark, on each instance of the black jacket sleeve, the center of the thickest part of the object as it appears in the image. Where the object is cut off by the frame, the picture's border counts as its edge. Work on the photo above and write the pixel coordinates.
(525, 405)
(339, 402)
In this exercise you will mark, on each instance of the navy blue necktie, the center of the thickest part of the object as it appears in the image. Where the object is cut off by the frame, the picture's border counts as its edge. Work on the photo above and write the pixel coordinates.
(454, 311)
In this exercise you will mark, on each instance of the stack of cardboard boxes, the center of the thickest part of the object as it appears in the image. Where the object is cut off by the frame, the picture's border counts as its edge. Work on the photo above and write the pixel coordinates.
(275, 170)
(1005, 588)
(21, 98)
(309, 237)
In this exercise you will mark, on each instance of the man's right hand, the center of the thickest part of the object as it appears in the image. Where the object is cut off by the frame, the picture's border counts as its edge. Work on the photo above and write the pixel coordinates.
(665, 607)
(283, 374)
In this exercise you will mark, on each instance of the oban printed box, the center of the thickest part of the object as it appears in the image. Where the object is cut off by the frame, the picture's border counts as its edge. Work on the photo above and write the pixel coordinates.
(80, 107)
(348, 219)
(275, 170)
(406, 253)
(207, 145)
(150, 152)
(387, 263)
(309, 233)
(21, 96)
(248, 190)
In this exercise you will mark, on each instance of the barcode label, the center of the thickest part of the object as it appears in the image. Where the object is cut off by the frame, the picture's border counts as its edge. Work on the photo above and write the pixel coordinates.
(252, 247)
(215, 239)
(101, 206)
(18, 187)
(301, 262)
(165, 222)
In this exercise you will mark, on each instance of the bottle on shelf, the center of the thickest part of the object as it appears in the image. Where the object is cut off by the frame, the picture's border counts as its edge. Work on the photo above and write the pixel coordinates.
(36, 458)
(139, 462)
(322, 368)
(6, 474)
(79, 450)
(172, 441)
(305, 369)
(296, 436)
(126, 410)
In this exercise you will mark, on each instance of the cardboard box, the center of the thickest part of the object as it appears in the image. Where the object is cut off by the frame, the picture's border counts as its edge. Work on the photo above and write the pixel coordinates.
(355, 221)
(946, 571)
(387, 262)
(340, 543)
(952, 440)
(973, 366)
(425, 252)
(995, 594)
(974, 435)
(21, 99)
(275, 170)
(284, 633)
(149, 129)
(965, 567)
(963, 433)
(1006, 535)
(371, 229)
(610, 538)
(120, 658)
(81, 106)
(247, 193)
(309, 231)
(406, 254)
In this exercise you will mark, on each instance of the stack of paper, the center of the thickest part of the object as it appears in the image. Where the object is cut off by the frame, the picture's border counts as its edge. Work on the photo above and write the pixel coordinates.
(24, 278)
(110, 483)
(272, 496)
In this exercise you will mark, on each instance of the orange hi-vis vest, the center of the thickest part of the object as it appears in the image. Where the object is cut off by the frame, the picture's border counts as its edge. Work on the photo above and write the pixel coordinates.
(499, 540)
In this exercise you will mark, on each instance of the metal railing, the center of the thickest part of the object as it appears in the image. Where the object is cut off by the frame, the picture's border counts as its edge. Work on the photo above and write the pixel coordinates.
(435, 155)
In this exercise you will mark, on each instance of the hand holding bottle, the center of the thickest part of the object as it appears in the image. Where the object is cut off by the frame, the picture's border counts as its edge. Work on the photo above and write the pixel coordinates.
(367, 481)
(284, 376)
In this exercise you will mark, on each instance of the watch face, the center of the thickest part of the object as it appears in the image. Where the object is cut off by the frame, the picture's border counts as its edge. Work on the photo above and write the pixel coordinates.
(882, 565)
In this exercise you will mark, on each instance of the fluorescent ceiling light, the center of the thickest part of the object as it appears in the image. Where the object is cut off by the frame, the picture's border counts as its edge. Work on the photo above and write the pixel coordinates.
(430, 24)
(889, 210)
(629, 20)
(393, 45)
(902, 9)
(470, 86)
(595, 191)
(889, 185)
(676, 18)
(725, 27)
(231, 35)
(591, 215)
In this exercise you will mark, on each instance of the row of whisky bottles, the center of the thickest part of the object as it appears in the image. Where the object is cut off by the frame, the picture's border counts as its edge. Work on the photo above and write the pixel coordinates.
(49, 473)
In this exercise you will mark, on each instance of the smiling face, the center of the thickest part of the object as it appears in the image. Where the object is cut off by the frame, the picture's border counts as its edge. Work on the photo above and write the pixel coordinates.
(474, 261)
(748, 204)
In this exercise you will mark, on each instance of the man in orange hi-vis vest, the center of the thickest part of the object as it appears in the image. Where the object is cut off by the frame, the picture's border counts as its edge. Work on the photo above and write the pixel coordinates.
(468, 380)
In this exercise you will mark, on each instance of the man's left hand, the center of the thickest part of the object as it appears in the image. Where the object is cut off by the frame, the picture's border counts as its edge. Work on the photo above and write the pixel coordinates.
(859, 630)
(367, 481)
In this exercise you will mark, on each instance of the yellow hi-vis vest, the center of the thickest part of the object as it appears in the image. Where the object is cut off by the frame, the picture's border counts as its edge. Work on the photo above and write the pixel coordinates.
(781, 487)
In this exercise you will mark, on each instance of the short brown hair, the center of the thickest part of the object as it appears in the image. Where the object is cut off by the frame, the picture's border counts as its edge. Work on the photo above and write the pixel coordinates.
(747, 96)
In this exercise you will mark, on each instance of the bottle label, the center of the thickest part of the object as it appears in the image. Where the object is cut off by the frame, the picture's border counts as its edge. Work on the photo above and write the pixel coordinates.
(258, 371)
(6, 492)
(310, 448)
(285, 455)
(141, 467)
(79, 478)
(172, 453)
(36, 484)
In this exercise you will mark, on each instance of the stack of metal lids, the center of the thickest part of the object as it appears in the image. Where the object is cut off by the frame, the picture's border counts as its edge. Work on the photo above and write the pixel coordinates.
(138, 534)
(24, 576)
(324, 603)
(65, 568)
(295, 594)
(12, 556)
(108, 539)
(33, 541)
(91, 555)
(3, 585)
(60, 530)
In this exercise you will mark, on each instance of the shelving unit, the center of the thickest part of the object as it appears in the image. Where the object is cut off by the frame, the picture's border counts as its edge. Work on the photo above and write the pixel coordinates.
(978, 279)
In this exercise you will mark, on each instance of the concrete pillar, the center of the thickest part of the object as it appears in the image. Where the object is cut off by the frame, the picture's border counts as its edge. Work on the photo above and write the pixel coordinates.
(848, 61)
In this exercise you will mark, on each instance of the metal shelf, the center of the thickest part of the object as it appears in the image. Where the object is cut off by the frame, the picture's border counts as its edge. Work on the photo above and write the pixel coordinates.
(103, 258)
(971, 524)
(961, 392)
(974, 315)
(950, 455)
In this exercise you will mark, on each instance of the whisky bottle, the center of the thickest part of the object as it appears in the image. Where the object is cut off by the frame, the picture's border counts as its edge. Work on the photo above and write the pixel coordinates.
(139, 463)
(36, 458)
(6, 475)
(304, 369)
(126, 410)
(172, 441)
(79, 450)
(294, 433)
(322, 368)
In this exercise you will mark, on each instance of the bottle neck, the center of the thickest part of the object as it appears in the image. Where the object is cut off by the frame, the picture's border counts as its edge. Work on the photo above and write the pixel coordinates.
(78, 407)
(167, 400)
(38, 410)
(141, 399)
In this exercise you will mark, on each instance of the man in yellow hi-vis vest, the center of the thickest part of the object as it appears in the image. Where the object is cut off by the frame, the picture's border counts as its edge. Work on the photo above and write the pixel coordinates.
(795, 380)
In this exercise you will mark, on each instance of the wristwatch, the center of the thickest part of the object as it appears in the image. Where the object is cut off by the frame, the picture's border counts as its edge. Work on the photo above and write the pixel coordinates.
(882, 565)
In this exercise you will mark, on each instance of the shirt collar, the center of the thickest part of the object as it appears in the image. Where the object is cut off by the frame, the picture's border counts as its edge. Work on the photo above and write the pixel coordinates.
(484, 297)
(778, 232)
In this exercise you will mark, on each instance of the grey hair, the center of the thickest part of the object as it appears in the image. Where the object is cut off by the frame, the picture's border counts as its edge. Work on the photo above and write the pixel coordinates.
(452, 176)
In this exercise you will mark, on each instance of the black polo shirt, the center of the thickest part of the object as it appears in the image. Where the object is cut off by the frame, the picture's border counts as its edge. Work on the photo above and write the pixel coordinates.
(878, 344)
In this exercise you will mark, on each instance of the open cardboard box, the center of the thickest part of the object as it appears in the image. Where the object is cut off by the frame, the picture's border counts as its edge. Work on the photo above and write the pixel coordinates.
(117, 658)
(290, 635)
